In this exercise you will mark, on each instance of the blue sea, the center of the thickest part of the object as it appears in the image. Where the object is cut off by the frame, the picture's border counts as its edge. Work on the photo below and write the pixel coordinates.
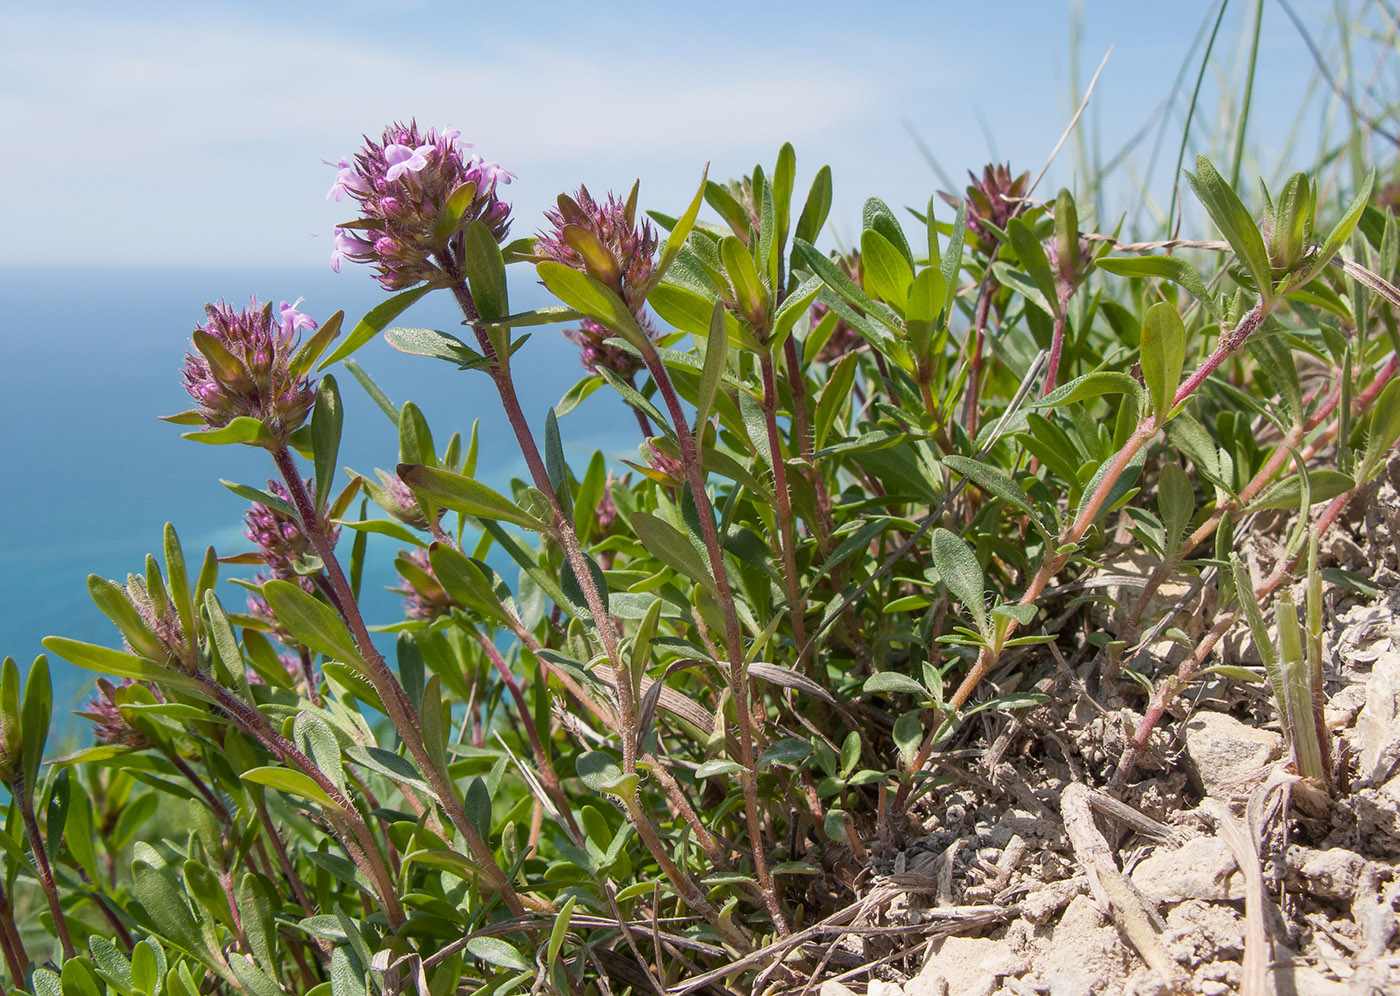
(90, 356)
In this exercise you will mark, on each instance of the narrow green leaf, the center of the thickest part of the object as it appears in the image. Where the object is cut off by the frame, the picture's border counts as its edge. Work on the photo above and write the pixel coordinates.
(816, 207)
(326, 420)
(667, 544)
(374, 322)
(434, 344)
(485, 271)
(593, 298)
(750, 294)
(1163, 356)
(887, 274)
(289, 781)
(556, 467)
(462, 494)
(893, 682)
(1091, 385)
(833, 398)
(1032, 256)
(1340, 233)
(1172, 268)
(675, 242)
(34, 714)
(243, 429)
(716, 347)
(311, 621)
(961, 574)
(1234, 221)
(1384, 430)
(559, 931)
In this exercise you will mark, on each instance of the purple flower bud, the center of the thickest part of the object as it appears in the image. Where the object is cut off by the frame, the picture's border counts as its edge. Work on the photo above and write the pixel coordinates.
(995, 198)
(109, 726)
(403, 184)
(424, 596)
(282, 544)
(239, 366)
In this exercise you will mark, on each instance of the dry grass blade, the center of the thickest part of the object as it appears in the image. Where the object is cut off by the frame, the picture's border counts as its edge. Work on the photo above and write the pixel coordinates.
(1244, 841)
(1069, 128)
(1115, 895)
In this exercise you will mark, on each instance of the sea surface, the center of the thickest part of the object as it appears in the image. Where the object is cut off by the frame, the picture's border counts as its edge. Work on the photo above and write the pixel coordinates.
(90, 356)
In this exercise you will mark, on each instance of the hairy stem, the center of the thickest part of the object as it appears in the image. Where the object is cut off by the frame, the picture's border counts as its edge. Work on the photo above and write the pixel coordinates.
(41, 864)
(787, 537)
(16, 958)
(737, 671)
(401, 712)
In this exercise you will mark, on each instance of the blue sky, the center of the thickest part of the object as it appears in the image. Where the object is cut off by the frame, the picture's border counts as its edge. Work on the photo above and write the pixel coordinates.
(195, 134)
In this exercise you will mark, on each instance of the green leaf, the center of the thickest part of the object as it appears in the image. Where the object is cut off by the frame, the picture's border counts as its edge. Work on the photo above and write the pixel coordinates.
(675, 242)
(1287, 493)
(1234, 221)
(1176, 503)
(749, 292)
(559, 931)
(374, 322)
(847, 288)
(927, 295)
(1340, 233)
(599, 772)
(834, 398)
(434, 344)
(485, 271)
(111, 599)
(551, 314)
(289, 781)
(1091, 385)
(465, 582)
(573, 590)
(716, 347)
(1163, 356)
(105, 660)
(311, 621)
(243, 429)
(1172, 268)
(555, 466)
(593, 298)
(495, 951)
(326, 420)
(908, 736)
(887, 274)
(316, 740)
(794, 306)
(816, 207)
(717, 767)
(893, 682)
(462, 494)
(1032, 256)
(961, 574)
(164, 903)
(670, 546)
(1384, 430)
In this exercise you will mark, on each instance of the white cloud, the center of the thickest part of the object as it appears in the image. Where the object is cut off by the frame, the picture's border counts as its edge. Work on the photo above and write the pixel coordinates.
(158, 132)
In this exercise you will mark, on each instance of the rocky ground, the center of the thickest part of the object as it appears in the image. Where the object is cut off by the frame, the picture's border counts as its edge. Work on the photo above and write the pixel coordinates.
(1219, 872)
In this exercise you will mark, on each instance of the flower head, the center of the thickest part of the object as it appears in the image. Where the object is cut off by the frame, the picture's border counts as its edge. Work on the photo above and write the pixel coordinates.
(604, 241)
(424, 596)
(410, 186)
(241, 366)
(109, 726)
(994, 199)
(281, 541)
(598, 349)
